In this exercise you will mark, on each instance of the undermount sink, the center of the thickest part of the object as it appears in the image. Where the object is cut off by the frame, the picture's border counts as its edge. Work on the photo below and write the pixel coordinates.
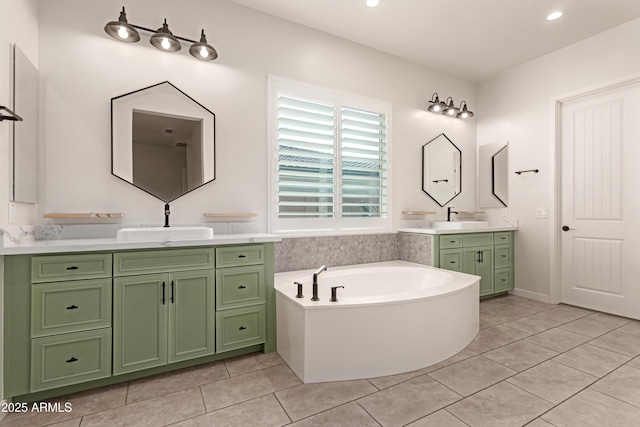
(459, 225)
(163, 233)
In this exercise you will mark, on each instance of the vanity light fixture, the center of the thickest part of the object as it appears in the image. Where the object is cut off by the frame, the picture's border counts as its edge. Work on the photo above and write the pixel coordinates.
(162, 38)
(448, 108)
(436, 106)
(464, 113)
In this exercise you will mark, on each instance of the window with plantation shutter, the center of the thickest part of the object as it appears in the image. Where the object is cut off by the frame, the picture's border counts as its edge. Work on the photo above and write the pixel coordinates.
(329, 169)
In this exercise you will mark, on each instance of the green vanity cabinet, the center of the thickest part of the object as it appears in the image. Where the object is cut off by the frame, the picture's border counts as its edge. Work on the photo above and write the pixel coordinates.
(240, 297)
(70, 319)
(76, 321)
(162, 318)
(488, 255)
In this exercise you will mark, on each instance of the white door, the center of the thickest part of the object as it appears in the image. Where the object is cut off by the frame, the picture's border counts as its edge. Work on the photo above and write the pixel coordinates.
(600, 244)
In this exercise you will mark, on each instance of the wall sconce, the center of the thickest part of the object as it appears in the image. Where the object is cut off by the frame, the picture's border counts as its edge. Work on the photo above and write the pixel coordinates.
(162, 38)
(448, 108)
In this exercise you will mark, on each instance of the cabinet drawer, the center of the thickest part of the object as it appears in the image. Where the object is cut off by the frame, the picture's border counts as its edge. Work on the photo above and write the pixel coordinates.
(240, 286)
(161, 261)
(504, 280)
(477, 239)
(59, 268)
(450, 241)
(233, 256)
(240, 327)
(504, 256)
(66, 359)
(70, 306)
(503, 237)
(451, 259)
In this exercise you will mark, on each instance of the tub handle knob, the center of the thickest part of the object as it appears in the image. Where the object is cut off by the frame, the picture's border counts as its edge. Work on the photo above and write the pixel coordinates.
(299, 295)
(334, 293)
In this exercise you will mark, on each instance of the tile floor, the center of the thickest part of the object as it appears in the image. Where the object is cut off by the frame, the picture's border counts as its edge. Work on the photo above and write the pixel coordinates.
(531, 364)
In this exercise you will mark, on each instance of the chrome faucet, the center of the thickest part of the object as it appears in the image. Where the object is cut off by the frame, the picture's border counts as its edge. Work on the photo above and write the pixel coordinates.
(449, 212)
(315, 283)
(167, 212)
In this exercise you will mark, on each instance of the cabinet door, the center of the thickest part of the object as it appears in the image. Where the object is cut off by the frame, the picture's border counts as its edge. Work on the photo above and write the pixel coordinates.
(191, 299)
(479, 261)
(451, 259)
(139, 322)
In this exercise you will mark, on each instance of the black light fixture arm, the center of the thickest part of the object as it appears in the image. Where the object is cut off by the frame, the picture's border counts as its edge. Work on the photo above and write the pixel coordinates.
(154, 31)
(11, 117)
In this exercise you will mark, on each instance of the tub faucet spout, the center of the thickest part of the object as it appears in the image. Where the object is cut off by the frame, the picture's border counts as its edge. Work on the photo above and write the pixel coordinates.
(315, 283)
(450, 211)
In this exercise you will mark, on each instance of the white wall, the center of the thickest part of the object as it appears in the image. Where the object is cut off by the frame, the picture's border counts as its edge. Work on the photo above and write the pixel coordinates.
(82, 69)
(19, 25)
(517, 106)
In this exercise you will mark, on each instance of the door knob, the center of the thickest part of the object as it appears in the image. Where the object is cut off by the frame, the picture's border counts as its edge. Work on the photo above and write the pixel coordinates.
(567, 228)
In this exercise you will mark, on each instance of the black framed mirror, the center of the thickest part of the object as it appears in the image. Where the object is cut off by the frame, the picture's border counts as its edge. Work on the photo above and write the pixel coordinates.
(499, 175)
(441, 169)
(162, 141)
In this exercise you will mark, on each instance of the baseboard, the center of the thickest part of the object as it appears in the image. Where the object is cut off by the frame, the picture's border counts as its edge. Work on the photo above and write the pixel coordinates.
(531, 295)
(2, 413)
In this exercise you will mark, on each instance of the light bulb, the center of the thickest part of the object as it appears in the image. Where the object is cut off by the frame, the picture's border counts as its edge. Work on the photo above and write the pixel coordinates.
(554, 15)
(373, 3)
(464, 115)
(204, 52)
(123, 33)
(165, 43)
(436, 108)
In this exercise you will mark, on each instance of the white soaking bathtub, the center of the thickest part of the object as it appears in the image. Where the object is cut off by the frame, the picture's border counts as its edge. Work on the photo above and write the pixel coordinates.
(391, 317)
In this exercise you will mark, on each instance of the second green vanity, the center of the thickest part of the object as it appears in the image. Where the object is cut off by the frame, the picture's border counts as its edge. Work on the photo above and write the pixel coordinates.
(488, 255)
(79, 320)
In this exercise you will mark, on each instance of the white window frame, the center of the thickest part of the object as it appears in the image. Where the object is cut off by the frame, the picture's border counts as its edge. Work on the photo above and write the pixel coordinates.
(323, 226)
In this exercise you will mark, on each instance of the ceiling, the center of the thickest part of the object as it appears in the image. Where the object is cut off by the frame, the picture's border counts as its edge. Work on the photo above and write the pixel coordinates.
(470, 39)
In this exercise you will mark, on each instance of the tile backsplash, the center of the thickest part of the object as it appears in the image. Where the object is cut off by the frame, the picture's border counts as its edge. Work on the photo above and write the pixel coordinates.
(305, 253)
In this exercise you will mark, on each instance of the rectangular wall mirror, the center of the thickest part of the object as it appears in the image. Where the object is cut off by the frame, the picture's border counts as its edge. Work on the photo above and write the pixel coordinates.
(493, 175)
(25, 132)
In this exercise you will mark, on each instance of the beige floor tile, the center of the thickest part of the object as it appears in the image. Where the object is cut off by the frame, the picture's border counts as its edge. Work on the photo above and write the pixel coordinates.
(635, 363)
(350, 414)
(593, 360)
(610, 318)
(160, 411)
(539, 422)
(407, 402)
(565, 313)
(182, 379)
(308, 399)
(492, 318)
(623, 384)
(86, 402)
(533, 324)
(497, 336)
(632, 327)
(558, 339)
(252, 362)
(552, 381)
(441, 418)
(500, 405)
(590, 408)
(589, 326)
(248, 386)
(520, 355)
(263, 411)
(459, 357)
(620, 341)
(536, 305)
(471, 375)
(516, 311)
(390, 380)
(69, 423)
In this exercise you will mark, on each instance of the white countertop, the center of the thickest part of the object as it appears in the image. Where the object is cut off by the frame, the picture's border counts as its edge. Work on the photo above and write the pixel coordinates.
(111, 244)
(489, 229)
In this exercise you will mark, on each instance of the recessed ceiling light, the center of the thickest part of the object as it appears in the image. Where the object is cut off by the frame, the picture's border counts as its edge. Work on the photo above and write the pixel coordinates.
(373, 3)
(554, 15)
